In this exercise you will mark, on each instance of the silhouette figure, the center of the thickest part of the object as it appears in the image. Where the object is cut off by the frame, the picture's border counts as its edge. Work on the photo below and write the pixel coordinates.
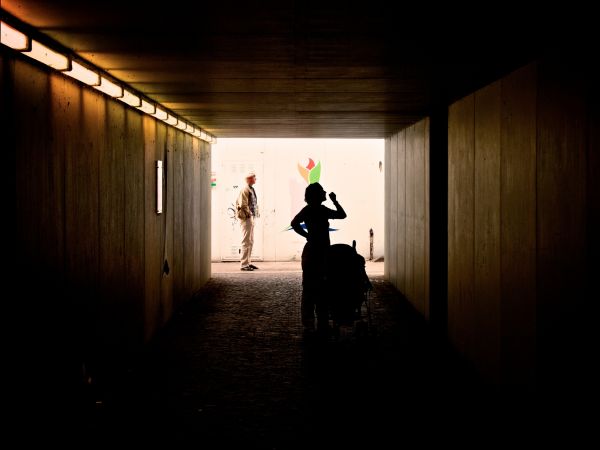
(315, 217)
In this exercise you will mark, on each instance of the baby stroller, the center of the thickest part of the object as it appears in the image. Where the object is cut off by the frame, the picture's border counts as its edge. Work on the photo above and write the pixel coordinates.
(347, 286)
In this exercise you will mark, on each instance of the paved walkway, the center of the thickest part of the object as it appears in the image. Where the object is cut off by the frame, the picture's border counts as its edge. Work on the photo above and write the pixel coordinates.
(235, 369)
(373, 268)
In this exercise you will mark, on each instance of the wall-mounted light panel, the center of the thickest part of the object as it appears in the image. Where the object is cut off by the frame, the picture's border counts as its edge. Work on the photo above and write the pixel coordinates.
(159, 187)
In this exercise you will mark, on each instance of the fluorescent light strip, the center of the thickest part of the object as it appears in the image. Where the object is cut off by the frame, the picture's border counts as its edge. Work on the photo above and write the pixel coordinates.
(13, 38)
(171, 120)
(43, 54)
(110, 88)
(131, 99)
(148, 108)
(83, 74)
(160, 114)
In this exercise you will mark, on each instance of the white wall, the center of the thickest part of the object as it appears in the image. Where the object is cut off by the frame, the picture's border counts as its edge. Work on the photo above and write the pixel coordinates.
(350, 168)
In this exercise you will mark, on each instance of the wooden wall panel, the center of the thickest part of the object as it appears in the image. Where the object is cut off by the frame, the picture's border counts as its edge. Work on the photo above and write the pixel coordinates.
(387, 216)
(65, 114)
(38, 261)
(410, 207)
(52, 210)
(188, 217)
(152, 230)
(167, 283)
(561, 205)
(487, 230)
(427, 218)
(408, 213)
(593, 187)
(86, 227)
(531, 214)
(7, 123)
(205, 223)
(400, 173)
(178, 264)
(561, 216)
(518, 218)
(164, 308)
(419, 188)
(196, 215)
(415, 207)
(112, 222)
(82, 196)
(454, 118)
(31, 103)
(460, 220)
(492, 227)
(588, 329)
(394, 216)
(135, 250)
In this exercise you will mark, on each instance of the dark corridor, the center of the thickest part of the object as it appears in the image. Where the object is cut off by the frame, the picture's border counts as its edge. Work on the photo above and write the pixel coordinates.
(492, 200)
(234, 367)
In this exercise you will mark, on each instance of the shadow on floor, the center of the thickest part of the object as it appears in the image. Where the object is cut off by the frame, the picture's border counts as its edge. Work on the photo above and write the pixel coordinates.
(235, 367)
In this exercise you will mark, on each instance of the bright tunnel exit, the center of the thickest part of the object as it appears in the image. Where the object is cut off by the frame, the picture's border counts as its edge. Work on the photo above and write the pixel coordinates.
(352, 168)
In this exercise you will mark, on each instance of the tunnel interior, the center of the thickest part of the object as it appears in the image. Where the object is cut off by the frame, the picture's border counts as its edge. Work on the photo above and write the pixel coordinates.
(490, 171)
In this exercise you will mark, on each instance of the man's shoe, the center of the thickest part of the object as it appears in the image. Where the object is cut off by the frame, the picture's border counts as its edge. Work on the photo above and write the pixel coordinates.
(247, 268)
(253, 267)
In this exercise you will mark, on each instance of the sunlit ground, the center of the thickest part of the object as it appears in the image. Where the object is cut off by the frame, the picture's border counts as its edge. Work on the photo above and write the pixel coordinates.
(373, 268)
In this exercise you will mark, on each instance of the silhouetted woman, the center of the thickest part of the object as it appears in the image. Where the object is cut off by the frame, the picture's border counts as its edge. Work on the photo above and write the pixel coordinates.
(315, 217)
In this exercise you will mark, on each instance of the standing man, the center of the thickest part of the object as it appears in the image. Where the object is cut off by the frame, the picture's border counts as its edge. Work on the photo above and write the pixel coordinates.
(247, 211)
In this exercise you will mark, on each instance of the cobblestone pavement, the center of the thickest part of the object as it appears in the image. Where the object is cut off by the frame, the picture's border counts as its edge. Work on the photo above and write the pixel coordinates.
(235, 368)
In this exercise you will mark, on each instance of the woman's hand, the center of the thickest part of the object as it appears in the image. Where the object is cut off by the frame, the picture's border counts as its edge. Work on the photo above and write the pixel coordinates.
(333, 197)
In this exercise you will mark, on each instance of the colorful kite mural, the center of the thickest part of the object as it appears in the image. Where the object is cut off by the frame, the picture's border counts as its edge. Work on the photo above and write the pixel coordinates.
(311, 174)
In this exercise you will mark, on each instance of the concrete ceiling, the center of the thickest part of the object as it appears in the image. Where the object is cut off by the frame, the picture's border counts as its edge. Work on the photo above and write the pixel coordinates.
(282, 68)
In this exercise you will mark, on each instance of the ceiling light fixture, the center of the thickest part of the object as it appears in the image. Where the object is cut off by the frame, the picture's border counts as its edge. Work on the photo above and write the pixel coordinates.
(131, 99)
(45, 55)
(171, 120)
(160, 114)
(109, 88)
(14, 38)
(147, 107)
(89, 75)
(83, 74)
